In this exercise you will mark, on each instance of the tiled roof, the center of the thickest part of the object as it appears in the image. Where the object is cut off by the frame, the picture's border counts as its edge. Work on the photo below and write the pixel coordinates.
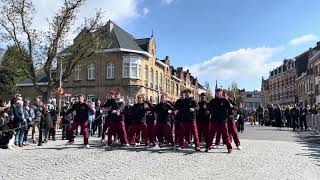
(302, 63)
(143, 43)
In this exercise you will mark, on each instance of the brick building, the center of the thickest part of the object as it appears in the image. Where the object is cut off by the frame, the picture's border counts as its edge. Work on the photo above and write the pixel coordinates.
(128, 65)
(281, 83)
(308, 75)
(315, 65)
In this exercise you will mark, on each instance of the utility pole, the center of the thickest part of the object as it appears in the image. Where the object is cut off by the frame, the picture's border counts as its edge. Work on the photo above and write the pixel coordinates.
(60, 95)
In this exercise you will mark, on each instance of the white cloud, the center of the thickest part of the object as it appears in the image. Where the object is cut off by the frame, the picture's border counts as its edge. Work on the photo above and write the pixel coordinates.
(303, 39)
(145, 11)
(167, 1)
(119, 11)
(239, 64)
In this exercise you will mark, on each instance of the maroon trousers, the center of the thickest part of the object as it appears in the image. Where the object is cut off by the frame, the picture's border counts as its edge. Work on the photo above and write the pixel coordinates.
(151, 126)
(135, 129)
(164, 127)
(188, 127)
(106, 126)
(219, 127)
(84, 129)
(232, 130)
(117, 127)
(203, 130)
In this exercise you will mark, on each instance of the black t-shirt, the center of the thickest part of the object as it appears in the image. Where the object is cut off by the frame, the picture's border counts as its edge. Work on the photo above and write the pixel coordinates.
(82, 111)
(162, 112)
(188, 103)
(220, 108)
(139, 113)
(204, 112)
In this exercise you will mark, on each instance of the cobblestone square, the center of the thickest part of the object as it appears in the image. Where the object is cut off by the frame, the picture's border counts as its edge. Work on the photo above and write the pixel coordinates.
(268, 153)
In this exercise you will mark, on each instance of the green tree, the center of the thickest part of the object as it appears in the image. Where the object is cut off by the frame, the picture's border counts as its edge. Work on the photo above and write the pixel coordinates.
(208, 90)
(14, 61)
(235, 93)
(46, 49)
(8, 80)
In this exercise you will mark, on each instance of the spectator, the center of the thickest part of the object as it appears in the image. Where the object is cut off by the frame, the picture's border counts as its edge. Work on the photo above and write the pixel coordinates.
(19, 122)
(48, 124)
(29, 111)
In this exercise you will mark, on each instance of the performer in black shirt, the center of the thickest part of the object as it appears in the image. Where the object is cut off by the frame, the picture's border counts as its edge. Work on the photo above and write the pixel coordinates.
(220, 108)
(81, 118)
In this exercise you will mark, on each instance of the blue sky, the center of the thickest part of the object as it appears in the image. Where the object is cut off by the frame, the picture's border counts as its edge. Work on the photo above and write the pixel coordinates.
(226, 40)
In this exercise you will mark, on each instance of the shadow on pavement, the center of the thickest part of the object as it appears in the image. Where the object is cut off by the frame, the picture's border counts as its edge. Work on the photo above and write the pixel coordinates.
(312, 143)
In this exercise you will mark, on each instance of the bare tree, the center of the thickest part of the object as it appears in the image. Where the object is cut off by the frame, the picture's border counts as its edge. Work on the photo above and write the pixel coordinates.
(45, 50)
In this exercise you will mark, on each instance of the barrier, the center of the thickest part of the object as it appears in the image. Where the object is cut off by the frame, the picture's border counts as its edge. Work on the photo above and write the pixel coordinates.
(313, 121)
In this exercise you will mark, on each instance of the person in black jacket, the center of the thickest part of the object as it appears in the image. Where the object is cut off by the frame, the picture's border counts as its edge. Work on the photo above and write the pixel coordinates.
(150, 118)
(278, 116)
(128, 114)
(188, 122)
(47, 122)
(178, 116)
(220, 108)
(139, 123)
(287, 116)
(38, 111)
(117, 125)
(110, 100)
(295, 114)
(97, 123)
(303, 117)
(164, 113)
(260, 114)
(54, 113)
(66, 120)
(81, 118)
(203, 118)
(241, 115)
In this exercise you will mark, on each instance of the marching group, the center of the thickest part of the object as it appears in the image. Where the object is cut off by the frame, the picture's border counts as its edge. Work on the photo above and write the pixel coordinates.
(133, 122)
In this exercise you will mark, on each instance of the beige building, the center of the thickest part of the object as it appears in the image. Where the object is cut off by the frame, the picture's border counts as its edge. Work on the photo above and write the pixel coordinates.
(128, 65)
(265, 93)
(309, 83)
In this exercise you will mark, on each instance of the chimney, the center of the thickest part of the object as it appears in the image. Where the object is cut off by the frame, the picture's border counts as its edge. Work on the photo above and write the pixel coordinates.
(167, 60)
(110, 26)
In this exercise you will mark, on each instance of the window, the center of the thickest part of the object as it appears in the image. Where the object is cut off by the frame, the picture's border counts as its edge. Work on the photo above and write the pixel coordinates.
(131, 66)
(161, 81)
(134, 70)
(172, 88)
(90, 98)
(249, 95)
(146, 75)
(126, 69)
(77, 70)
(177, 89)
(110, 71)
(151, 78)
(91, 72)
(157, 80)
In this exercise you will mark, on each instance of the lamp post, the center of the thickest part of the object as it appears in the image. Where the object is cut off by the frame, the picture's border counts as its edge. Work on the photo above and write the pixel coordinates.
(60, 95)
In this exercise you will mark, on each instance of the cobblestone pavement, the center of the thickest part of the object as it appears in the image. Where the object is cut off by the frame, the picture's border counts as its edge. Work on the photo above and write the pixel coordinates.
(268, 153)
